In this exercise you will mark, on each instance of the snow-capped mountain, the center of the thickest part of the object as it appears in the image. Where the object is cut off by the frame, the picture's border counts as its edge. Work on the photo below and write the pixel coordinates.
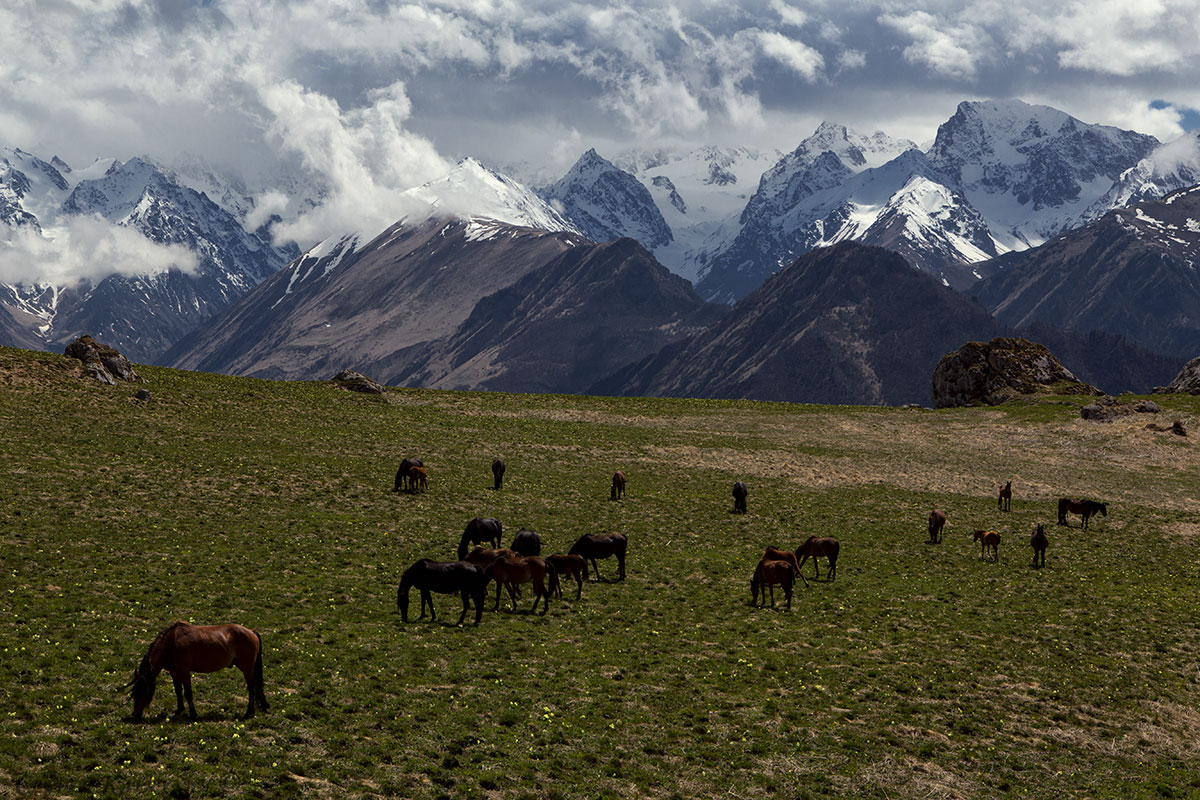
(1171, 166)
(606, 202)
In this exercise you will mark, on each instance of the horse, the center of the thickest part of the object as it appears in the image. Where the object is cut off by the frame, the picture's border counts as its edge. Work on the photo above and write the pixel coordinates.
(498, 473)
(739, 497)
(418, 478)
(527, 543)
(1004, 502)
(483, 559)
(599, 545)
(444, 577)
(510, 571)
(183, 648)
(989, 540)
(817, 547)
(937, 521)
(478, 531)
(1039, 541)
(402, 474)
(767, 574)
(618, 485)
(1086, 509)
(575, 566)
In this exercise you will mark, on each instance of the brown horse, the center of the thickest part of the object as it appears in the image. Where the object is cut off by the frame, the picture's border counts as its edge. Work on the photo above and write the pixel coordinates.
(598, 545)
(767, 575)
(575, 566)
(403, 475)
(418, 479)
(937, 521)
(1004, 502)
(184, 648)
(774, 553)
(483, 559)
(988, 541)
(498, 474)
(816, 547)
(618, 485)
(1086, 509)
(1039, 541)
(739, 497)
(510, 571)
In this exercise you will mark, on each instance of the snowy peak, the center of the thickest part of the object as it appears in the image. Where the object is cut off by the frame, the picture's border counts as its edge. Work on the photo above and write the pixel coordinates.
(607, 203)
(853, 149)
(1170, 166)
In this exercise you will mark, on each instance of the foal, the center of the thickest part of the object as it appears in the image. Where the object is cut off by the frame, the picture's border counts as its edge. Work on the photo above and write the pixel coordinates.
(1004, 502)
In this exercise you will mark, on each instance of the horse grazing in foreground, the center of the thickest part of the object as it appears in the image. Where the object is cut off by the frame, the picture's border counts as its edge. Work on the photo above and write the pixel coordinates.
(1086, 509)
(739, 497)
(184, 648)
(478, 531)
(767, 575)
(527, 543)
(816, 547)
(618, 485)
(484, 558)
(989, 541)
(498, 473)
(511, 571)
(937, 521)
(444, 577)
(404, 474)
(1004, 502)
(575, 566)
(1039, 541)
(600, 545)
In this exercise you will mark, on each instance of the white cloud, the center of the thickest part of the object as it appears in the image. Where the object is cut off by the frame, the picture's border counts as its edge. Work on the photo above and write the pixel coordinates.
(797, 56)
(948, 49)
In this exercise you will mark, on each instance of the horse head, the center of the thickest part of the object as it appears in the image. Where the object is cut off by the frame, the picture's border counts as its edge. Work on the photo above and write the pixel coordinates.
(143, 684)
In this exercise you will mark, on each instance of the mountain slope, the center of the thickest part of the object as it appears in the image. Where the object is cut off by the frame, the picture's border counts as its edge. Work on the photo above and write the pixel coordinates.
(606, 203)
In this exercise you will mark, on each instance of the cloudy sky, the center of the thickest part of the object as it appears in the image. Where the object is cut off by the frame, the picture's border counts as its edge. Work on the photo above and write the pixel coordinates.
(375, 96)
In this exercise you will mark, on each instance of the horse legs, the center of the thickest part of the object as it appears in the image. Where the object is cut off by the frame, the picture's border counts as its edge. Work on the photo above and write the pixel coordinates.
(187, 693)
(427, 599)
(578, 586)
(596, 569)
(621, 566)
(466, 598)
(178, 695)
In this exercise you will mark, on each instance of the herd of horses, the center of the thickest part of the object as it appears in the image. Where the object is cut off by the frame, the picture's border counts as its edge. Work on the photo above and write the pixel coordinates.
(182, 648)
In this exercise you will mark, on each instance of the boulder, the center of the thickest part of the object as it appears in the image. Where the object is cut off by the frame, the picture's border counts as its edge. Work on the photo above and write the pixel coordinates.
(980, 373)
(1106, 409)
(1186, 382)
(102, 362)
(356, 382)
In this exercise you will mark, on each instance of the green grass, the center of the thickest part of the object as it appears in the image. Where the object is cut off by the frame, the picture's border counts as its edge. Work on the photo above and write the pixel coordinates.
(920, 672)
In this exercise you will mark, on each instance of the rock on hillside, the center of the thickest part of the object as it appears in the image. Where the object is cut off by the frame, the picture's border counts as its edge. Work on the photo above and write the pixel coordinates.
(1186, 382)
(992, 372)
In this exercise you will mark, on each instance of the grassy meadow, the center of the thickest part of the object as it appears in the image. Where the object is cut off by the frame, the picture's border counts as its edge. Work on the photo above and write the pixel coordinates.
(920, 672)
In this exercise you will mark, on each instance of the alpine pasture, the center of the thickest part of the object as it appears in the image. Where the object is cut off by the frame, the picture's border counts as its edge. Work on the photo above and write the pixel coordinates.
(921, 671)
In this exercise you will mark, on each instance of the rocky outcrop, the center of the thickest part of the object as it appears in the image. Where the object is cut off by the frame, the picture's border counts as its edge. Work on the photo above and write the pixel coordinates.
(1186, 382)
(1108, 408)
(102, 362)
(356, 382)
(990, 373)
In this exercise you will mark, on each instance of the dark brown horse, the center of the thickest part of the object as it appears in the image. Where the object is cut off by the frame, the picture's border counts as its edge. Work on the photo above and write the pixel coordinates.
(818, 547)
(767, 575)
(1039, 541)
(575, 566)
(527, 543)
(599, 545)
(989, 541)
(184, 648)
(774, 553)
(418, 479)
(484, 558)
(478, 531)
(1004, 502)
(618, 485)
(444, 577)
(739, 497)
(404, 473)
(498, 473)
(1086, 509)
(511, 571)
(937, 521)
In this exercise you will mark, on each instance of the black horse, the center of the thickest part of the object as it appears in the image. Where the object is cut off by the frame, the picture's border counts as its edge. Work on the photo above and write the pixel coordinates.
(1086, 509)
(444, 577)
(598, 545)
(478, 531)
(1039, 541)
(527, 543)
(739, 497)
(498, 473)
(403, 474)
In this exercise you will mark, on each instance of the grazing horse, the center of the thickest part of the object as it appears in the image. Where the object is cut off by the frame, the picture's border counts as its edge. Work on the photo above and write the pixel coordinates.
(498, 473)
(618, 485)
(816, 547)
(739, 497)
(403, 475)
(444, 577)
(937, 521)
(989, 541)
(599, 545)
(478, 531)
(483, 559)
(510, 571)
(1086, 509)
(418, 479)
(1004, 502)
(767, 575)
(575, 566)
(774, 553)
(527, 543)
(184, 648)
(1039, 541)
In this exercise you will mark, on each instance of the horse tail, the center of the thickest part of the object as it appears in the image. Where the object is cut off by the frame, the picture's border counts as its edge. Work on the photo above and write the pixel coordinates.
(554, 588)
(462, 547)
(585, 569)
(259, 685)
